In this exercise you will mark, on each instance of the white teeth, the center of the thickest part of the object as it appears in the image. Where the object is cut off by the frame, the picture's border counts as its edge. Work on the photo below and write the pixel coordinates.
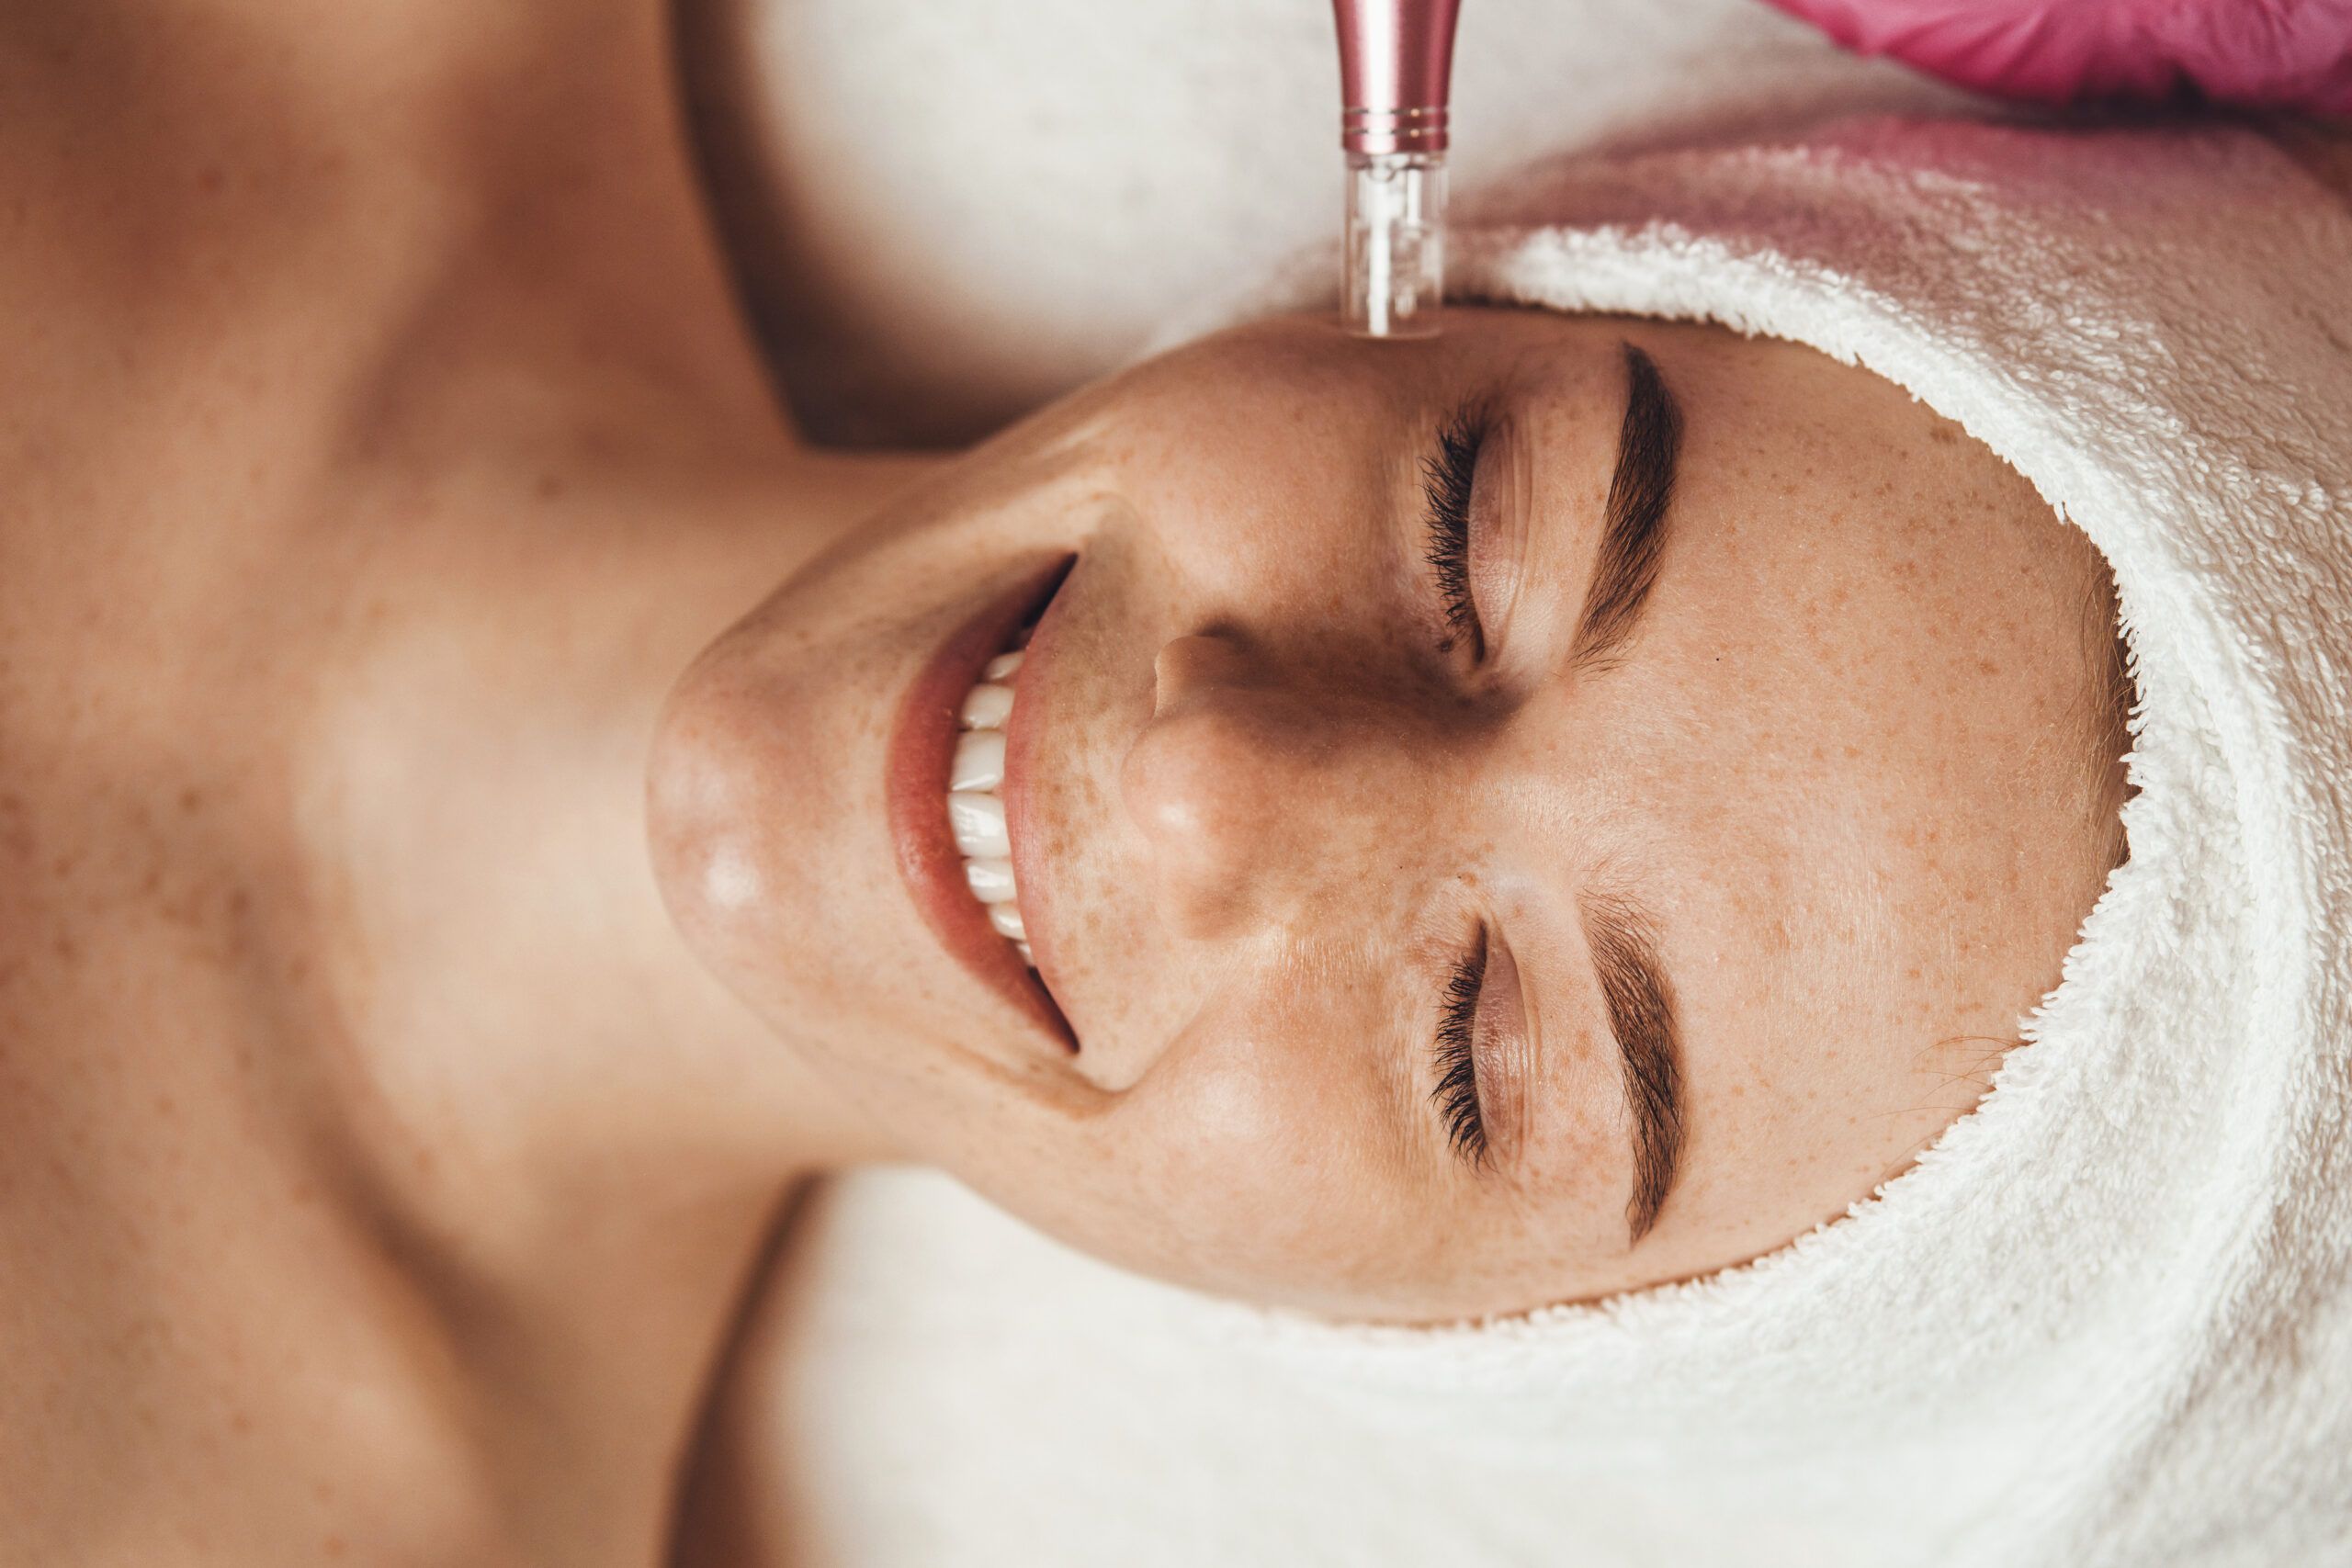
(979, 761)
(974, 813)
(987, 707)
(990, 880)
(978, 823)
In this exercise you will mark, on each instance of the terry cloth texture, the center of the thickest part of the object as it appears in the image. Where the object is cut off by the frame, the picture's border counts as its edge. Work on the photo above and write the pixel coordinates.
(2106, 1319)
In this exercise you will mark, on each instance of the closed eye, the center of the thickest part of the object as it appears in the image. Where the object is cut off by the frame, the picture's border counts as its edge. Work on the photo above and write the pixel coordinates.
(1447, 480)
(1456, 1095)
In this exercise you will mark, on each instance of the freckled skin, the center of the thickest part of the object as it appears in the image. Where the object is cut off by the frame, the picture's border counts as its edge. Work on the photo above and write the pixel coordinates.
(1859, 759)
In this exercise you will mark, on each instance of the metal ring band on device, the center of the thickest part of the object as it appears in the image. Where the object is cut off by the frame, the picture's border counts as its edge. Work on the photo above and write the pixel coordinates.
(1393, 130)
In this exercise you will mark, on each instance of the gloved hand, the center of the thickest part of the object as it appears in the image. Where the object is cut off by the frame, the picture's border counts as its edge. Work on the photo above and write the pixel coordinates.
(2292, 54)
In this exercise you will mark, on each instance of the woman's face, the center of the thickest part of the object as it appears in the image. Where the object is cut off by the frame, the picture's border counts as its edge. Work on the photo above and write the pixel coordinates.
(1597, 883)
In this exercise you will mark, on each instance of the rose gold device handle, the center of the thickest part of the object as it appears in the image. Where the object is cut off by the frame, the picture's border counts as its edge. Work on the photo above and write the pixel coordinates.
(1396, 65)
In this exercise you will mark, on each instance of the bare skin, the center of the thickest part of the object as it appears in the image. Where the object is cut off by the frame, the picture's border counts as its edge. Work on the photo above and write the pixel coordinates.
(377, 1172)
(381, 1174)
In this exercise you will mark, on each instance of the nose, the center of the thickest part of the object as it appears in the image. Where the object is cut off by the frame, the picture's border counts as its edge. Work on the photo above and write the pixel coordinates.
(1257, 795)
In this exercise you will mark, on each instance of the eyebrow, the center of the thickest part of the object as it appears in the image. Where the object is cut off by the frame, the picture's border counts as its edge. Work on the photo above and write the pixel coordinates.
(1641, 1015)
(1649, 444)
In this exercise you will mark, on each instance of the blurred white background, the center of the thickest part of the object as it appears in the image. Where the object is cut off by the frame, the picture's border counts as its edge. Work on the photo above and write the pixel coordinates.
(950, 210)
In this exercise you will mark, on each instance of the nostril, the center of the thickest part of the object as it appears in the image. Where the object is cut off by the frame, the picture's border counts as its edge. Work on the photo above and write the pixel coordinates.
(1191, 668)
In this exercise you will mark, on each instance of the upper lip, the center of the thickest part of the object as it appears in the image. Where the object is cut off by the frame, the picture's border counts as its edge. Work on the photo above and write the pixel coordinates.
(916, 791)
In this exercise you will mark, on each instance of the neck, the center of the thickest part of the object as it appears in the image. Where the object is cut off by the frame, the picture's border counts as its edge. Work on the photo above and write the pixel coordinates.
(414, 326)
(571, 474)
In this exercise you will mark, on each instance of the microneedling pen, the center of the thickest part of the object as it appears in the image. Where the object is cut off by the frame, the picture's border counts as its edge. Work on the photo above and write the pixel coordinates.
(1395, 64)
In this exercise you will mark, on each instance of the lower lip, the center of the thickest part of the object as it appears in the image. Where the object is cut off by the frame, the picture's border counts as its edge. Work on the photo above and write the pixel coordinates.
(922, 749)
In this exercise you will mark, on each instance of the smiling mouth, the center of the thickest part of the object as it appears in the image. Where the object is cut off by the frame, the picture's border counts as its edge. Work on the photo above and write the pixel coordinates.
(974, 809)
(947, 790)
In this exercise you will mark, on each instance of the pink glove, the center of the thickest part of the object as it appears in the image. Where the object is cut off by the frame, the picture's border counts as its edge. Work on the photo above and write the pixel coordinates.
(2268, 53)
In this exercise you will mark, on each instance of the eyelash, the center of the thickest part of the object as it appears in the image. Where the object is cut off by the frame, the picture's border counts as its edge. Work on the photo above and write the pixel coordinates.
(1446, 481)
(1456, 1095)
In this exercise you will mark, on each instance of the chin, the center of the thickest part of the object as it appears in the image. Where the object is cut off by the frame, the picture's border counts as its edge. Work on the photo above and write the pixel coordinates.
(797, 809)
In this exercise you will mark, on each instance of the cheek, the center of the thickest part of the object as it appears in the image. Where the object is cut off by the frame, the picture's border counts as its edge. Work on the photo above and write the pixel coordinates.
(1263, 1156)
(1269, 497)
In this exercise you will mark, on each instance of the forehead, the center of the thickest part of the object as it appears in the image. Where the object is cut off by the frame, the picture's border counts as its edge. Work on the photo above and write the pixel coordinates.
(1844, 759)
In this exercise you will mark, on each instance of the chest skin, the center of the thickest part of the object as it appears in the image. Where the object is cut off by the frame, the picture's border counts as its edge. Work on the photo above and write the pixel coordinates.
(378, 1173)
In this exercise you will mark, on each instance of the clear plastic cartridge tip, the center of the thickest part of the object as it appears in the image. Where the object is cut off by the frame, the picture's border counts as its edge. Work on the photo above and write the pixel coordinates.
(1396, 67)
(1396, 243)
